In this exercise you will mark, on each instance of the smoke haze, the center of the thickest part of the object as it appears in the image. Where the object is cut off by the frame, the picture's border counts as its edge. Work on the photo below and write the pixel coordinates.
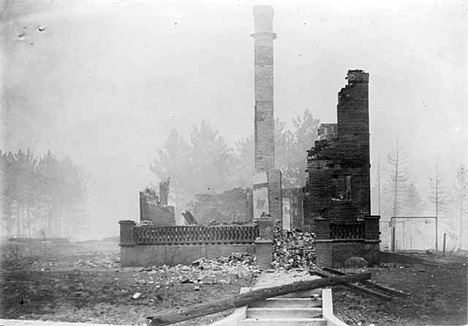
(104, 82)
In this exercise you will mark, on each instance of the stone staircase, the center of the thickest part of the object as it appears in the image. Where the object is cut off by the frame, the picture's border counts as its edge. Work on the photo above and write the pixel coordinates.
(304, 308)
(311, 308)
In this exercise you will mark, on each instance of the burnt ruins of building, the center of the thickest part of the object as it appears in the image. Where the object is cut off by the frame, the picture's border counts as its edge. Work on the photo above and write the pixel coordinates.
(337, 191)
(154, 209)
(293, 217)
(233, 205)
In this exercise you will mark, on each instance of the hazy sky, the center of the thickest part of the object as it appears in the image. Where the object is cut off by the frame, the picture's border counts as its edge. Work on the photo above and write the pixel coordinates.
(105, 81)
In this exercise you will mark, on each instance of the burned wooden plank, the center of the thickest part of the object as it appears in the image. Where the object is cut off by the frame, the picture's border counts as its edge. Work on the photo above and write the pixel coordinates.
(188, 216)
(354, 287)
(250, 297)
(372, 284)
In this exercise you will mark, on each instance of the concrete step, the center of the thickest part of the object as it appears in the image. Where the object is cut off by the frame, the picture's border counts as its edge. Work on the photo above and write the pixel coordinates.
(283, 313)
(303, 294)
(287, 303)
(284, 322)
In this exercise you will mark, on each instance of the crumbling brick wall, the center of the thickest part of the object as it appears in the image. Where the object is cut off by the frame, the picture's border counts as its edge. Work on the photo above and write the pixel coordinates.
(337, 191)
(338, 183)
(152, 210)
(234, 205)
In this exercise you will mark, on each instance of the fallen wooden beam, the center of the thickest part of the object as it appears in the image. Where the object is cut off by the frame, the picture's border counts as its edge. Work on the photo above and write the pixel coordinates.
(371, 284)
(354, 287)
(188, 216)
(250, 297)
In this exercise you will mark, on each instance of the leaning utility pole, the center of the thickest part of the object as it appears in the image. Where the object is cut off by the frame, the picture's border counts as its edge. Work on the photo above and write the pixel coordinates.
(378, 184)
(437, 203)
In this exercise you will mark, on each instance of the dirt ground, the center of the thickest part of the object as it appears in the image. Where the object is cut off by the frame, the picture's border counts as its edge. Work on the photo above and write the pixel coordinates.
(62, 285)
(86, 284)
(437, 295)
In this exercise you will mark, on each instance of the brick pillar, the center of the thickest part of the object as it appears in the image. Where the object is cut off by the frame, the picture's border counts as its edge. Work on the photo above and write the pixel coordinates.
(323, 243)
(275, 199)
(264, 113)
(126, 233)
(264, 243)
(371, 224)
(164, 192)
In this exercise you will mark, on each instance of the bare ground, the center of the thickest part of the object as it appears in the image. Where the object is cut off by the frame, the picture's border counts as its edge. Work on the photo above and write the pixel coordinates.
(437, 295)
(77, 284)
(91, 287)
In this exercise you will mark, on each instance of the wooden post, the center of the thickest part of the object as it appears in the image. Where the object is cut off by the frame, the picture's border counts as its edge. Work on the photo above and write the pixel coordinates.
(445, 236)
(250, 297)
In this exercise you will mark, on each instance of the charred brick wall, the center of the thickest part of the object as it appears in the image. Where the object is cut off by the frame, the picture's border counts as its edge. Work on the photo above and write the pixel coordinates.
(151, 210)
(234, 205)
(337, 191)
(338, 183)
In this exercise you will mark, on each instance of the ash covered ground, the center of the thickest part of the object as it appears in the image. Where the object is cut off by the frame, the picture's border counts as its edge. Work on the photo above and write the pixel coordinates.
(84, 283)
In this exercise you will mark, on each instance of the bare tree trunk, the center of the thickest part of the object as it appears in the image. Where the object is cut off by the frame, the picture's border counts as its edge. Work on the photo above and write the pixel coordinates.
(18, 220)
(395, 185)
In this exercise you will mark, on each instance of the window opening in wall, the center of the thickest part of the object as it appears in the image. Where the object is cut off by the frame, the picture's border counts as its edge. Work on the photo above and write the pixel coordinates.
(341, 187)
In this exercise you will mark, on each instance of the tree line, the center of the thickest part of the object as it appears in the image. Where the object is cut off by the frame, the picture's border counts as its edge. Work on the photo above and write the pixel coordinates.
(40, 196)
(205, 163)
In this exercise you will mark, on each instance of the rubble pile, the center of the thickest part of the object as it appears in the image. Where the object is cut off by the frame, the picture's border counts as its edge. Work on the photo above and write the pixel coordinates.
(223, 270)
(215, 222)
(293, 249)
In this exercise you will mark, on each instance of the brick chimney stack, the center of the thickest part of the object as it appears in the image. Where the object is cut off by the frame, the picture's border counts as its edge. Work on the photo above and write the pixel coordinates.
(264, 113)
(267, 194)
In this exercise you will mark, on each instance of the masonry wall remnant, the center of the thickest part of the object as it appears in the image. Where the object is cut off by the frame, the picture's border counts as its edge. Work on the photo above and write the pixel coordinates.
(293, 207)
(149, 245)
(152, 209)
(337, 191)
(234, 205)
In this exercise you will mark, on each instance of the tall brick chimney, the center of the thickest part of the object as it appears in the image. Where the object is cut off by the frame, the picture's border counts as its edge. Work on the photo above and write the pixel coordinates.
(267, 181)
(264, 117)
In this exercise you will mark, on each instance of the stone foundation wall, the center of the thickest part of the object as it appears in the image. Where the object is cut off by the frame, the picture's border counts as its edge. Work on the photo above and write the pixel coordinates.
(153, 246)
(157, 255)
(335, 253)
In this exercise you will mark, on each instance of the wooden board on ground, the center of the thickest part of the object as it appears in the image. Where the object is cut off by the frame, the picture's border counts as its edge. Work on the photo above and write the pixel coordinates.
(250, 297)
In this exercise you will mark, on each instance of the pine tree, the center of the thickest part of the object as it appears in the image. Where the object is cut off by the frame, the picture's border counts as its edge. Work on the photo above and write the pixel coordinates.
(413, 204)
(438, 197)
(398, 161)
(173, 160)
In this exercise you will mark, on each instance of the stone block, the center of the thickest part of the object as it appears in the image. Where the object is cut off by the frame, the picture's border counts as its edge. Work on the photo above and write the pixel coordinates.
(264, 253)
